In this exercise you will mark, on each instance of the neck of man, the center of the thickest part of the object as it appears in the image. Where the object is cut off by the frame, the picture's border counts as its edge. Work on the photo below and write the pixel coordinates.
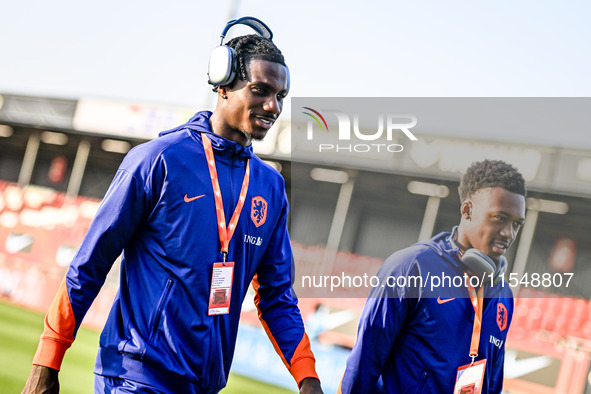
(221, 128)
(460, 241)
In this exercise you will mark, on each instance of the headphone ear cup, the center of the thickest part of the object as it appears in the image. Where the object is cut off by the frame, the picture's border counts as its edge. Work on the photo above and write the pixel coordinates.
(221, 66)
(478, 263)
(501, 269)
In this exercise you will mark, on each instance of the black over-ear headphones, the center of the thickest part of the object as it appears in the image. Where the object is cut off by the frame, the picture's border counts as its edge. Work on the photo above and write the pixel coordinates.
(222, 62)
(478, 263)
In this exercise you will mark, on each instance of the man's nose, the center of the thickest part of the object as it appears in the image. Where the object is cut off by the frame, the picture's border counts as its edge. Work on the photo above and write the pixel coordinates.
(272, 105)
(508, 231)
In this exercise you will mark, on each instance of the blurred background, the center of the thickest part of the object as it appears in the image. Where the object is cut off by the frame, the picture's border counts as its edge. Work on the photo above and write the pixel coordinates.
(80, 85)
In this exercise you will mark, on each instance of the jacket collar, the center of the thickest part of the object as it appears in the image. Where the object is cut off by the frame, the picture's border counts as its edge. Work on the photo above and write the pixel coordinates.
(440, 244)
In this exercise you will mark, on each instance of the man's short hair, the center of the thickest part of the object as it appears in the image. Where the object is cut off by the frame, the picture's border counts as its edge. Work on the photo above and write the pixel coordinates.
(491, 173)
(252, 47)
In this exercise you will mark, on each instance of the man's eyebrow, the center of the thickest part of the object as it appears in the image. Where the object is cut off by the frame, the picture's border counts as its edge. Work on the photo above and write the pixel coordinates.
(521, 220)
(267, 86)
(261, 84)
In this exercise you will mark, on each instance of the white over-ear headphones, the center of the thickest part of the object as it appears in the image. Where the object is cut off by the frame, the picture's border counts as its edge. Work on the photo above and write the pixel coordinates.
(478, 263)
(222, 62)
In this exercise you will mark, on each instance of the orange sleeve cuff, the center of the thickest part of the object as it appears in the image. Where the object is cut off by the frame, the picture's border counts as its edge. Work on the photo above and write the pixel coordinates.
(50, 353)
(303, 361)
(302, 369)
(58, 332)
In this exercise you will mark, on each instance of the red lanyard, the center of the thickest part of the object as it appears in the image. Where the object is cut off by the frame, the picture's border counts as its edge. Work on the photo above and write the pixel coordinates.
(225, 234)
(477, 303)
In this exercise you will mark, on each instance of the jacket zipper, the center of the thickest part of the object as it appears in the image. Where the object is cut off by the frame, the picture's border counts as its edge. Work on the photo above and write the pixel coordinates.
(161, 303)
(422, 382)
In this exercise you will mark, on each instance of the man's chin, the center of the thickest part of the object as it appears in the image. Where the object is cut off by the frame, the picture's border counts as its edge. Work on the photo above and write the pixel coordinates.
(494, 256)
(491, 254)
(258, 136)
(253, 135)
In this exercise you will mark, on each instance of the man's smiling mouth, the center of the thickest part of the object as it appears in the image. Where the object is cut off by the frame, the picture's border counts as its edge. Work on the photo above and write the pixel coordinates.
(265, 121)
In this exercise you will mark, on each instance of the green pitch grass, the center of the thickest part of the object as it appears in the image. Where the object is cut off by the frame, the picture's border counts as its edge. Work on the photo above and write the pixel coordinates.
(19, 334)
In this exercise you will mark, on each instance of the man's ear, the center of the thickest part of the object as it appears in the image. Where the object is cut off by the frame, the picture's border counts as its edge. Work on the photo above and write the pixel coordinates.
(466, 209)
(288, 78)
(223, 92)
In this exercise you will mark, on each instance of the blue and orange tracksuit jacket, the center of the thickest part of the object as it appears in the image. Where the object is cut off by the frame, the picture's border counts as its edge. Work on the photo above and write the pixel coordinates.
(413, 338)
(158, 331)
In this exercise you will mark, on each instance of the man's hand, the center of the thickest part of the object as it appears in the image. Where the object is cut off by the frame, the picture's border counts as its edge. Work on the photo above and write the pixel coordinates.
(42, 380)
(310, 386)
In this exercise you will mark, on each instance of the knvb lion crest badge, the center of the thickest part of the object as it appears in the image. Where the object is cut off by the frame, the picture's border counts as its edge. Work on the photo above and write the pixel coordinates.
(258, 211)
(502, 316)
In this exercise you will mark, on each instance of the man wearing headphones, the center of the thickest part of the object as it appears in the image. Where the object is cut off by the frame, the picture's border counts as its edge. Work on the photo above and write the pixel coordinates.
(443, 328)
(183, 209)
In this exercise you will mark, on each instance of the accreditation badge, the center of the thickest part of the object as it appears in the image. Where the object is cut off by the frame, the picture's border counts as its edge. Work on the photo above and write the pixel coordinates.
(221, 288)
(470, 378)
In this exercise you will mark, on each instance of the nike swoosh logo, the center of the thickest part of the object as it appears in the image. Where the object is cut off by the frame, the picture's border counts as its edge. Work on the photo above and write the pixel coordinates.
(440, 301)
(187, 199)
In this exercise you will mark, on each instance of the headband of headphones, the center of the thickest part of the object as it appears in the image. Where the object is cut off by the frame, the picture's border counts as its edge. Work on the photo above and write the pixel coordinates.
(254, 23)
(222, 67)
